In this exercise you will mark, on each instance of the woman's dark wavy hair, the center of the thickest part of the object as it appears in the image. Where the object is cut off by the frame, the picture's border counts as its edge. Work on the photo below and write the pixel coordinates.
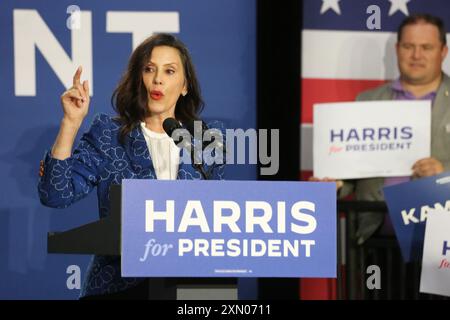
(130, 98)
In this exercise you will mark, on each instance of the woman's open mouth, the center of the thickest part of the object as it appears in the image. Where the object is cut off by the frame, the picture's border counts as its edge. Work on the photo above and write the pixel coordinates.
(156, 95)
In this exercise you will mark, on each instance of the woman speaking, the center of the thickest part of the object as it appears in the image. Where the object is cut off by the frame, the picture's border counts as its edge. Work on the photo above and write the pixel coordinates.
(159, 83)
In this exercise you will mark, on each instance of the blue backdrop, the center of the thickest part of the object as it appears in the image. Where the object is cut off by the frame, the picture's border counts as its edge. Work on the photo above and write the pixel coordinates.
(221, 36)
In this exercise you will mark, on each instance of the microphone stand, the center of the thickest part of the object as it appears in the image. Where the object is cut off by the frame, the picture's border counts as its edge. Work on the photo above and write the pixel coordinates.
(169, 126)
(200, 169)
(198, 166)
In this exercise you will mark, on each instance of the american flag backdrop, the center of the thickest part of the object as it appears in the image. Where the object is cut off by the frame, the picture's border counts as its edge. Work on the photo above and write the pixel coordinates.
(342, 56)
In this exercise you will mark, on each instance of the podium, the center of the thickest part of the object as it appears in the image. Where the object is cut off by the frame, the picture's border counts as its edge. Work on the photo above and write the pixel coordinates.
(194, 239)
(103, 237)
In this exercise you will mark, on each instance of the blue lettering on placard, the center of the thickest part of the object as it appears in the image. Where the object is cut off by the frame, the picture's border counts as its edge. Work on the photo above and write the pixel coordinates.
(352, 135)
(339, 134)
(372, 139)
(371, 134)
(445, 248)
(406, 133)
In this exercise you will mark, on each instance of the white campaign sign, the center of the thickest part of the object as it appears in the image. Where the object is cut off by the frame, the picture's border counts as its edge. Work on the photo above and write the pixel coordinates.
(370, 139)
(435, 276)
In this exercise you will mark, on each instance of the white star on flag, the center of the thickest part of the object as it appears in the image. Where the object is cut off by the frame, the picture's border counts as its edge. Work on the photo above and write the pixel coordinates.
(397, 5)
(330, 4)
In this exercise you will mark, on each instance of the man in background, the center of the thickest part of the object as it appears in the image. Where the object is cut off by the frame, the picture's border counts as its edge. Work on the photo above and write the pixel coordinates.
(421, 49)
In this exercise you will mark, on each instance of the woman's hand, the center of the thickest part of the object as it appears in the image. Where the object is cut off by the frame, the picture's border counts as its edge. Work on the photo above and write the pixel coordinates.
(75, 101)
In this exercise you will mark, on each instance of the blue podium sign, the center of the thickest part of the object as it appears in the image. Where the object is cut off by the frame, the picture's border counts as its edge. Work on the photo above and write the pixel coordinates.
(228, 229)
(409, 204)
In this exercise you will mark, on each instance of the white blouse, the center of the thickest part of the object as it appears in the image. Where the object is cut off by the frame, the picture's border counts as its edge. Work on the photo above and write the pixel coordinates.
(164, 153)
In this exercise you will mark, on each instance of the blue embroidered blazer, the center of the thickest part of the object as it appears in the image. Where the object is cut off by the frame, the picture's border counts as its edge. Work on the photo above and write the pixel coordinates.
(99, 161)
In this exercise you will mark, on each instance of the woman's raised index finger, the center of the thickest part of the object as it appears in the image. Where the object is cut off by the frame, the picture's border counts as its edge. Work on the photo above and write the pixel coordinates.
(77, 76)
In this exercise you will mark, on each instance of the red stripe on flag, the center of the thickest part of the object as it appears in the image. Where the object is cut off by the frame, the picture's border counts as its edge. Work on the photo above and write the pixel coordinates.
(318, 289)
(305, 175)
(331, 90)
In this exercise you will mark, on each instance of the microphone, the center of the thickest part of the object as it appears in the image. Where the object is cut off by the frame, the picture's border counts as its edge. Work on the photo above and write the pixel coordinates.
(169, 126)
